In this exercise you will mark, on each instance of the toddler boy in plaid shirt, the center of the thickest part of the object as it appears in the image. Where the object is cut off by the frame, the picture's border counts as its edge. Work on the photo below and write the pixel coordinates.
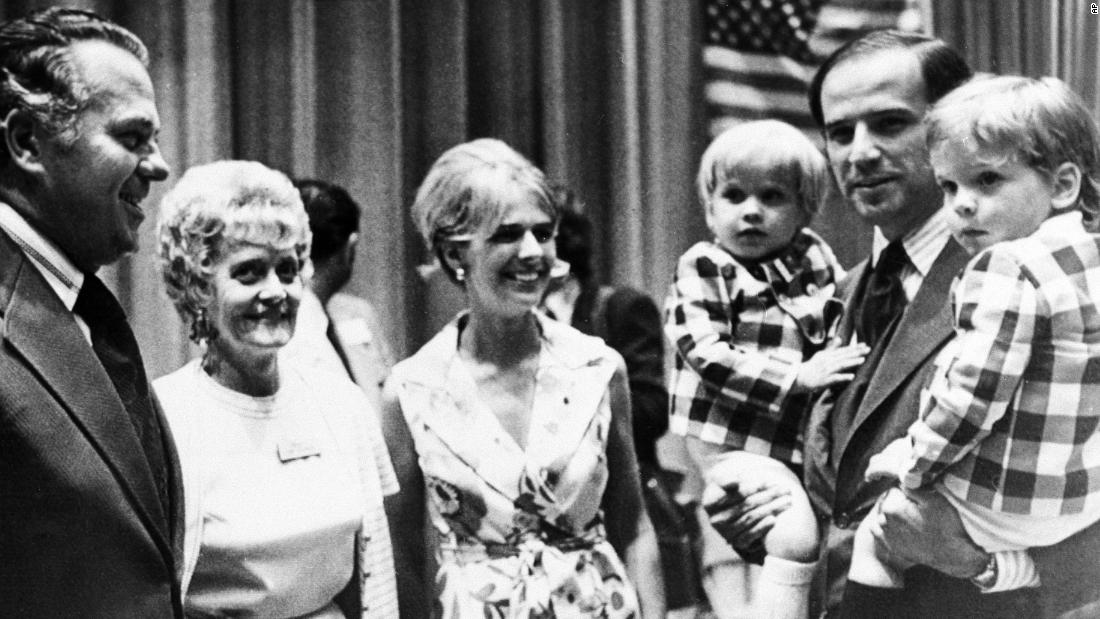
(1008, 427)
(749, 314)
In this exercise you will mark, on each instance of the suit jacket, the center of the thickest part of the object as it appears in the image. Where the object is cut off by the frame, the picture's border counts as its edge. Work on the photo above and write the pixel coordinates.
(837, 451)
(82, 533)
(630, 322)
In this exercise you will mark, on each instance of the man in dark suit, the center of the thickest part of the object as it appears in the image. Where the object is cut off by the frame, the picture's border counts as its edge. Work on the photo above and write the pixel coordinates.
(90, 497)
(870, 97)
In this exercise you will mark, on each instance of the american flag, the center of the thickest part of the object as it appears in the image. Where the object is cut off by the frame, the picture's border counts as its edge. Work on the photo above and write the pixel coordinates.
(759, 55)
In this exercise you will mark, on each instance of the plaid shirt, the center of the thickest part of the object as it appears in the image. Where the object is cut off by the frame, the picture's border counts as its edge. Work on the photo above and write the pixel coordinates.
(1010, 423)
(740, 332)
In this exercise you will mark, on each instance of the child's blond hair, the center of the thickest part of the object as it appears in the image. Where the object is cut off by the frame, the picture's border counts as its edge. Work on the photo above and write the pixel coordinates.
(1041, 123)
(772, 145)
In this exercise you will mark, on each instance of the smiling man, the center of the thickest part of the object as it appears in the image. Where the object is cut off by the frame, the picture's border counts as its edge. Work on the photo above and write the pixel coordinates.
(89, 480)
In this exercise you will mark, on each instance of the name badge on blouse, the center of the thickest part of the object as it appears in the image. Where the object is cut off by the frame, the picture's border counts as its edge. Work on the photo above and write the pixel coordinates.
(296, 449)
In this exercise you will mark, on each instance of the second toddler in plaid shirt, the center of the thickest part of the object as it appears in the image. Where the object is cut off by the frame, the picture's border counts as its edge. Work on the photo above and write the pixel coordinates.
(1008, 427)
(748, 315)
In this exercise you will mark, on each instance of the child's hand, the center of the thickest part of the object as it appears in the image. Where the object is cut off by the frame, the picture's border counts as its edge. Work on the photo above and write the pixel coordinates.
(887, 463)
(832, 366)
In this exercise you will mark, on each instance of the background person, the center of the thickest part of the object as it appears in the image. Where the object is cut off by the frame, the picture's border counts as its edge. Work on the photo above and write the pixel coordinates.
(517, 434)
(283, 473)
(336, 329)
(90, 514)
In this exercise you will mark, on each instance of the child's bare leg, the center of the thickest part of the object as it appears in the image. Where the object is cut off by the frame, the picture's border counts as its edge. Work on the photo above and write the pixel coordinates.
(792, 544)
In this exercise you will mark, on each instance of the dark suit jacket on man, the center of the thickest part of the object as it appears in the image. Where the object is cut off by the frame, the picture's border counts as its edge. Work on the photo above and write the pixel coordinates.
(82, 532)
(630, 322)
(838, 449)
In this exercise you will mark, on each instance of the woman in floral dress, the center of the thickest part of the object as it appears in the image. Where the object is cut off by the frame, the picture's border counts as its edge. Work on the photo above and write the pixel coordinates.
(511, 429)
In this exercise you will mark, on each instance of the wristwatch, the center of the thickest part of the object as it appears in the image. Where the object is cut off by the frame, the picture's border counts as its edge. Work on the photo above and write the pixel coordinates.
(986, 578)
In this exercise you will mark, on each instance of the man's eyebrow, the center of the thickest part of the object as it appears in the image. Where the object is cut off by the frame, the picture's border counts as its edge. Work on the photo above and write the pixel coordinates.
(894, 110)
(890, 111)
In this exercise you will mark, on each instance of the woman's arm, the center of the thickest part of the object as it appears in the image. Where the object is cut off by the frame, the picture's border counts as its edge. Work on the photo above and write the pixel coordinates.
(405, 511)
(628, 525)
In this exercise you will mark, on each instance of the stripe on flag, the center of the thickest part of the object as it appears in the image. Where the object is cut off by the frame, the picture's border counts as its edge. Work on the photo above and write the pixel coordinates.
(760, 55)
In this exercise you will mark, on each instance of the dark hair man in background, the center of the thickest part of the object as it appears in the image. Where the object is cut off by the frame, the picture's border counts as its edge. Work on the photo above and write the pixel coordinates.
(90, 499)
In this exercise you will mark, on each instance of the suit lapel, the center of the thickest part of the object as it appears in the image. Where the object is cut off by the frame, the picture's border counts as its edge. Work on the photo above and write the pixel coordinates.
(924, 327)
(39, 327)
(175, 487)
(848, 291)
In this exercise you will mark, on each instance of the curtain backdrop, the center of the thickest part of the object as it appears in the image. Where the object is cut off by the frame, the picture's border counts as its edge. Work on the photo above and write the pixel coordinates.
(1026, 37)
(604, 95)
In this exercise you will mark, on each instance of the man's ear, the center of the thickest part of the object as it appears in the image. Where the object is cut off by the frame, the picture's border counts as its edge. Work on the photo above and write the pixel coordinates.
(349, 248)
(22, 141)
(1065, 185)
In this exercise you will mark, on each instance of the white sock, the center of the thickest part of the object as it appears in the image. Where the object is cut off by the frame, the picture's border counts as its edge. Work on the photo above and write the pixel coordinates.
(783, 591)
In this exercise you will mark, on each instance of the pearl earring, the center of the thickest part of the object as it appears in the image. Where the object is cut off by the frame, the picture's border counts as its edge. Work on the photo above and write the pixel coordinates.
(460, 274)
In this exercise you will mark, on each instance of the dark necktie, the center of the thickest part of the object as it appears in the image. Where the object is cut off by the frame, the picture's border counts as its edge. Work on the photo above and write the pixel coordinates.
(884, 299)
(117, 350)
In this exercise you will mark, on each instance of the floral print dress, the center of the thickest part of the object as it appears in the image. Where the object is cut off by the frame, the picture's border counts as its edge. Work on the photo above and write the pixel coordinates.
(520, 532)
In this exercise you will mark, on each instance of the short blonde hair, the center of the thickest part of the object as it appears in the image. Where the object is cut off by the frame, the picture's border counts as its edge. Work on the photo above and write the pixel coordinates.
(211, 209)
(772, 145)
(1041, 123)
(474, 183)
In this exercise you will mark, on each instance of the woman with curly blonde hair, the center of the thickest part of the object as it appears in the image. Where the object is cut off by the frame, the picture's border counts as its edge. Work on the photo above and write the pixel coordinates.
(283, 466)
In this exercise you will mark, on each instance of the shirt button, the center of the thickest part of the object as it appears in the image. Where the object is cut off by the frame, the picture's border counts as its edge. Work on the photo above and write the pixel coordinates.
(843, 520)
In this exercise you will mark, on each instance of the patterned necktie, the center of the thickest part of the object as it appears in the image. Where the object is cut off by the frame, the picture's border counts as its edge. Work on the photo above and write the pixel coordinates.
(884, 299)
(117, 350)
